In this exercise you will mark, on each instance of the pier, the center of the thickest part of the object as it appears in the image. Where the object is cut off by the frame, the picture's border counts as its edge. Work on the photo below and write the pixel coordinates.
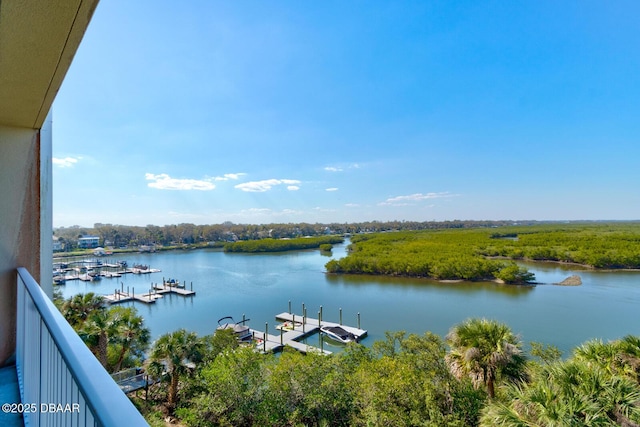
(295, 328)
(155, 292)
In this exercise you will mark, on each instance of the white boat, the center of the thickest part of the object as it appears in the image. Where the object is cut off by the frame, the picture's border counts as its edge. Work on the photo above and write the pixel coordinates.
(339, 334)
(242, 332)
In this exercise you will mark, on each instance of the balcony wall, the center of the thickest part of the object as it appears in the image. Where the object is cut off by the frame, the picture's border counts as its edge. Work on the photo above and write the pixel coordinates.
(20, 226)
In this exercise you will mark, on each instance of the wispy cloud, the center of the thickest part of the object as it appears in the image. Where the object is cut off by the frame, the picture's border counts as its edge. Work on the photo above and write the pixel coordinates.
(66, 162)
(414, 198)
(229, 176)
(352, 205)
(331, 189)
(341, 168)
(268, 184)
(165, 182)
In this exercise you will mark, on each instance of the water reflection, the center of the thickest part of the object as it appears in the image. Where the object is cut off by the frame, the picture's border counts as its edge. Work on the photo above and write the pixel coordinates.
(364, 281)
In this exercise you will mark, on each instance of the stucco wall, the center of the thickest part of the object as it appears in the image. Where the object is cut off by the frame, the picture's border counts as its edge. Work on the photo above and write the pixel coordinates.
(19, 221)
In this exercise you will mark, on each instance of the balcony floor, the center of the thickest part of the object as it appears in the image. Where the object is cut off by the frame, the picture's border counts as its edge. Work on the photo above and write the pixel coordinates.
(9, 393)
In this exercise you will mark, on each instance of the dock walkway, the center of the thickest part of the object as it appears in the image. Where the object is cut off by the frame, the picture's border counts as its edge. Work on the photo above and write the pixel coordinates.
(309, 322)
(301, 327)
(123, 296)
(163, 289)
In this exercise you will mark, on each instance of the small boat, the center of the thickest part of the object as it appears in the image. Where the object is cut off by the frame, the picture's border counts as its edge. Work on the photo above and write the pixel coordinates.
(288, 326)
(339, 334)
(242, 332)
(173, 283)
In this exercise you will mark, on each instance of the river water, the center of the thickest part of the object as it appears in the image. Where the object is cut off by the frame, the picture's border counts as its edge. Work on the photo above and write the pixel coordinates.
(606, 306)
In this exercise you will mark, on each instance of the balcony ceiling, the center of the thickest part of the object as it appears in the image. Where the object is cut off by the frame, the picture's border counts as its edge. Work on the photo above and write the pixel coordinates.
(38, 40)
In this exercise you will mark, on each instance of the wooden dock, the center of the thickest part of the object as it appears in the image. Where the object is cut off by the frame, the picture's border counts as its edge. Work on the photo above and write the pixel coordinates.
(123, 296)
(309, 323)
(163, 289)
(274, 343)
(156, 292)
(299, 327)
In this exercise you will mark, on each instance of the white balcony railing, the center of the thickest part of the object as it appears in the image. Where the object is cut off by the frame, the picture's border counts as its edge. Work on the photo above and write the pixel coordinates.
(61, 381)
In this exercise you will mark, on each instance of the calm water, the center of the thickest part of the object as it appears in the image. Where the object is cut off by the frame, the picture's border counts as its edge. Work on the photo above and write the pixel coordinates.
(606, 306)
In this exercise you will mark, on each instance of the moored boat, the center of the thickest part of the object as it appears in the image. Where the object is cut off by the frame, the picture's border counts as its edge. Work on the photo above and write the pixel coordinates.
(242, 332)
(339, 334)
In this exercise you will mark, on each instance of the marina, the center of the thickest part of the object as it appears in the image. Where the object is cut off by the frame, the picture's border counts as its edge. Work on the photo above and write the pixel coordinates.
(261, 284)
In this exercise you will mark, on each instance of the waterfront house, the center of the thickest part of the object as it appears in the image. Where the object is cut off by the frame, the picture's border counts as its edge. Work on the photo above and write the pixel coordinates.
(88, 242)
(57, 245)
(43, 362)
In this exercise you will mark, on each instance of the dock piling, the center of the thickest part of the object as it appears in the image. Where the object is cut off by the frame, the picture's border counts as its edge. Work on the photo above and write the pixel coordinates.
(319, 318)
(340, 316)
(266, 334)
(281, 343)
(358, 320)
(289, 306)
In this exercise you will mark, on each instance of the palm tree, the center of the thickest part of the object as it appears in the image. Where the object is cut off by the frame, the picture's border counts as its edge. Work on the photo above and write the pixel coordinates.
(78, 308)
(96, 332)
(621, 357)
(484, 350)
(175, 354)
(567, 393)
(131, 334)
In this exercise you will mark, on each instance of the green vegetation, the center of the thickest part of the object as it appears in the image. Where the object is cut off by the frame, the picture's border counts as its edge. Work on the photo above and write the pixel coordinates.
(479, 376)
(115, 335)
(185, 235)
(484, 253)
(273, 245)
(610, 245)
(326, 247)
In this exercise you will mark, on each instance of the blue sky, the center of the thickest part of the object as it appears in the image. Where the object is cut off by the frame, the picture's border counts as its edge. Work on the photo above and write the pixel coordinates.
(334, 111)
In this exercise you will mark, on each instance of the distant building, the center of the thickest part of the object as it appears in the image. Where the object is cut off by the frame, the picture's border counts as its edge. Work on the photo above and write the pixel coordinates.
(88, 242)
(57, 245)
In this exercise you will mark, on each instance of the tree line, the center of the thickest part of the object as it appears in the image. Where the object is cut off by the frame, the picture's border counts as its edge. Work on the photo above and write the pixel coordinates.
(479, 375)
(191, 234)
(489, 253)
(273, 245)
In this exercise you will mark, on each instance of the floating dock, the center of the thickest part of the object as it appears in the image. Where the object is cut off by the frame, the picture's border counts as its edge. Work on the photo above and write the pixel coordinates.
(299, 327)
(164, 289)
(123, 296)
(156, 292)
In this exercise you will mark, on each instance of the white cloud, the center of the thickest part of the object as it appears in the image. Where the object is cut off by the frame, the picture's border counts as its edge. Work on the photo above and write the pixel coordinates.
(352, 205)
(165, 182)
(331, 189)
(342, 168)
(67, 162)
(413, 198)
(267, 184)
(228, 176)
